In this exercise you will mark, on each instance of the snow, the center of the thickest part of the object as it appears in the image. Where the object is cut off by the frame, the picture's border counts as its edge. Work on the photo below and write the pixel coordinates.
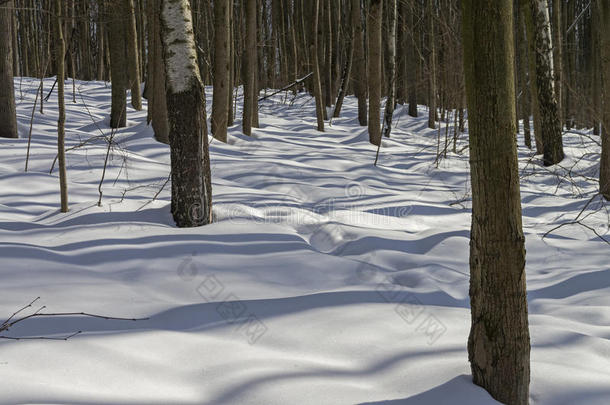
(323, 280)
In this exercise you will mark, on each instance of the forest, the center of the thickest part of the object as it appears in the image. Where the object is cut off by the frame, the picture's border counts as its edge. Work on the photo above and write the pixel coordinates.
(305, 202)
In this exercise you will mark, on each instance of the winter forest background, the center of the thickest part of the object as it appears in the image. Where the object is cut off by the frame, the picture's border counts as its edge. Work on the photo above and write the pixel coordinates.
(305, 201)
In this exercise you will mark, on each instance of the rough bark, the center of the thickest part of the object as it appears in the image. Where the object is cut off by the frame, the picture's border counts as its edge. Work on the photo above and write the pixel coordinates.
(220, 102)
(374, 26)
(8, 116)
(498, 345)
(190, 164)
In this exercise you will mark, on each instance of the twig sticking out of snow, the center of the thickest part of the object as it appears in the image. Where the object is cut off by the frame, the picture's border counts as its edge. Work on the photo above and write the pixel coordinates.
(12, 320)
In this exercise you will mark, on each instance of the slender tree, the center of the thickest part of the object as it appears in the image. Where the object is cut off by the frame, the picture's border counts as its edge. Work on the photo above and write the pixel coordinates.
(374, 26)
(220, 102)
(603, 8)
(313, 50)
(250, 58)
(411, 74)
(359, 64)
(545, 83)
(118, 63)
(432, 113)
(157, 103)
(190, 162)
(498, 345)
(60, 51)
(390, 62)
(8, 117)
(133, 57)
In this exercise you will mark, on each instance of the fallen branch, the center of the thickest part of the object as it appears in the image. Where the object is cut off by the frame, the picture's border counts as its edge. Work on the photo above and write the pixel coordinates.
(12, 320)
(299, 81)
(578, 221)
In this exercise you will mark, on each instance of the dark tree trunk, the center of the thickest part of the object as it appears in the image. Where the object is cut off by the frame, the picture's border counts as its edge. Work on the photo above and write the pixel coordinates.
(412, 63)
(313, 50)
(220, 102)
(374, 26)
(603, 8)
(8, 117)
(359, 76)
(118, 63)
(250, 58)
(498, 345)
(61, 119)
(190, 162)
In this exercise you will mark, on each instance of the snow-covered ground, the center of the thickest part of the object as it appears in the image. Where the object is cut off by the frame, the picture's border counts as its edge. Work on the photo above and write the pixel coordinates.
(323, 280)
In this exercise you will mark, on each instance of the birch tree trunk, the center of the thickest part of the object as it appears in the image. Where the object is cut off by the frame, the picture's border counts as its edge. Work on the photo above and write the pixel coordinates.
(8, 117)
(190, 162)
(498, 345)
(550, 122)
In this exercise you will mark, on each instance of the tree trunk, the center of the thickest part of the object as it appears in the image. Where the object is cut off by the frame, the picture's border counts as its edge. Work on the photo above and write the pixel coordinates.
(250, 58)
(133, 55)
(61, 120)
(498, 345)
(347, 71)
(374, 69)
(220, 102)
(190, 161)
(390, 61)
(431, 68)
(313, 50)
(547, 102)
(558, 55)
(8, 117)
(527, 21)
(157, 103)
(596, 82)
(118, 64)
(604, 168)
(359, 64)
(526, 98)
(412, 63)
